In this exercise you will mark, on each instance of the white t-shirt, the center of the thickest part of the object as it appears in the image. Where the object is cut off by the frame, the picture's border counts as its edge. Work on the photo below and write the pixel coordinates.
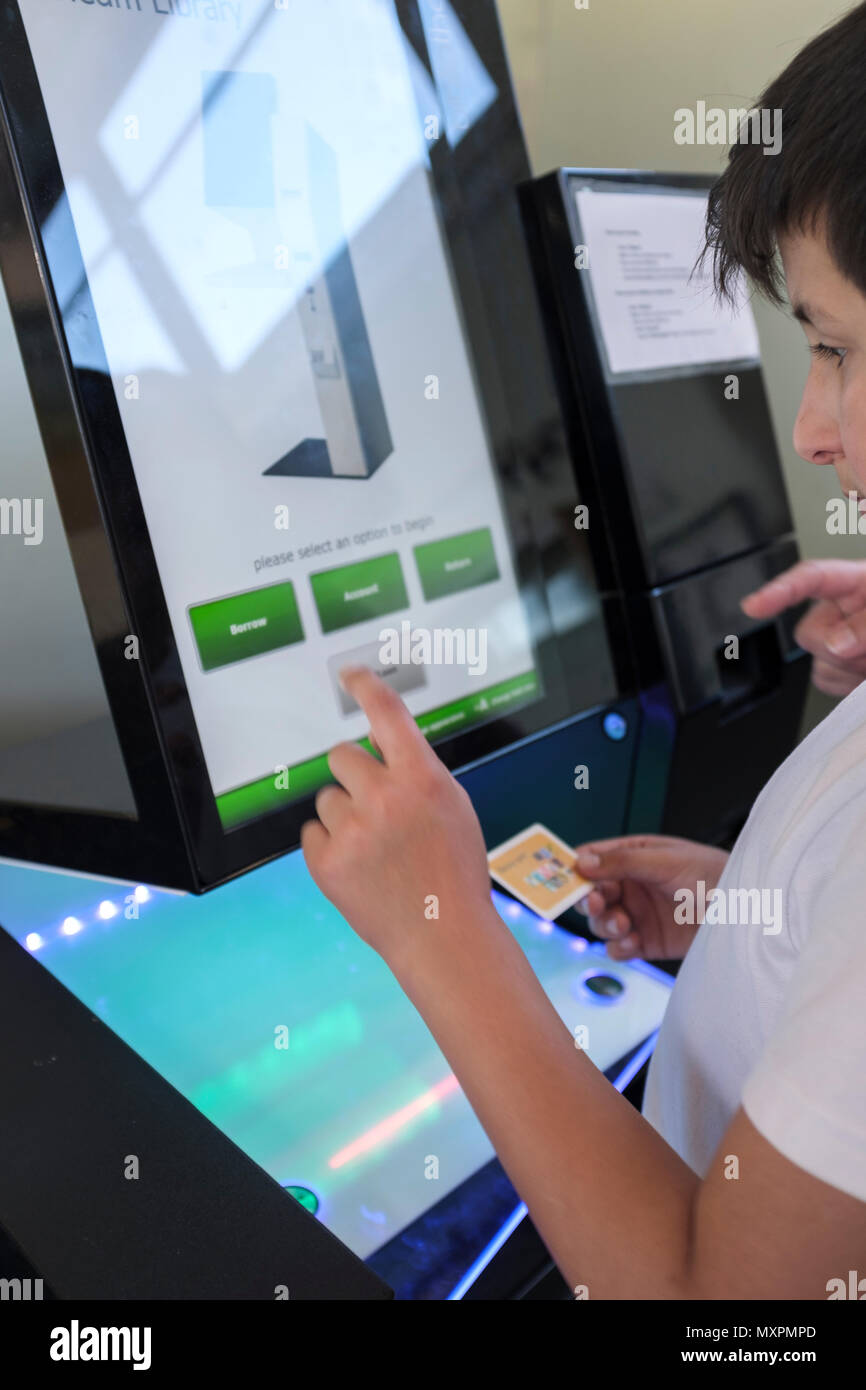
(775, 1021)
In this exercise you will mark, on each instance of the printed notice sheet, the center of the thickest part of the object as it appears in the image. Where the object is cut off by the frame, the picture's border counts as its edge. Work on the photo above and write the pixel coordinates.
(655, 311)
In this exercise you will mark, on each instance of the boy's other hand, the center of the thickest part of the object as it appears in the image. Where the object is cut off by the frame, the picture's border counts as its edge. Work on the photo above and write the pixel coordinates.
(632, 904)
(834, 629)
(397, 840)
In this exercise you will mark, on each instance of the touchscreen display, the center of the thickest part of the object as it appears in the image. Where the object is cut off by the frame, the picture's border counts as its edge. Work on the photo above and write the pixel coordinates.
(250, 186)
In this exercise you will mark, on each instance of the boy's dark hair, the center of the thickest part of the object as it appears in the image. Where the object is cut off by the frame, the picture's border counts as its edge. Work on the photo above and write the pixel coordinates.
(819, 175)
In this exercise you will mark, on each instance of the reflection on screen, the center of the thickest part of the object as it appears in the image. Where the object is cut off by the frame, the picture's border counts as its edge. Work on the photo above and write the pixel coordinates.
(58, 746)
(251, 192)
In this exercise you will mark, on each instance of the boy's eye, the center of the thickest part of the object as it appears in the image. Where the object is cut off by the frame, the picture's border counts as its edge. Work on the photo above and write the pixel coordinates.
(822, 350)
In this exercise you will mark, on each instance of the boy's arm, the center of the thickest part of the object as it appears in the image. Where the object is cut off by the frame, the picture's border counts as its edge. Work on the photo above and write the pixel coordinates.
(399, 850)
(620, 1212)
(611, 1200)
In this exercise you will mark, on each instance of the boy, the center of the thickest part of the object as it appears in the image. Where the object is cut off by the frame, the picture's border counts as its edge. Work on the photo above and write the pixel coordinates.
(762, 1056)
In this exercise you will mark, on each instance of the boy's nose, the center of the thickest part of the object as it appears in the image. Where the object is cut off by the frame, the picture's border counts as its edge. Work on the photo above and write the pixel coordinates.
(817, 438)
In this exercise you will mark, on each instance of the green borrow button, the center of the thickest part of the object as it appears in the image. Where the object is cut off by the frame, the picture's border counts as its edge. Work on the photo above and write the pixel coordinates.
(354, 593)
(244, 625)
(460, 562)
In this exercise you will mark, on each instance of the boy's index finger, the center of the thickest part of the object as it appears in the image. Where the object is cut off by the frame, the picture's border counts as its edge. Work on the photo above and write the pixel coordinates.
(392, 728)
(810, 579)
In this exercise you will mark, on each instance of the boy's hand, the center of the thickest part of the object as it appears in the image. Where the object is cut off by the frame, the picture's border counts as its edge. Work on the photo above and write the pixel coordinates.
(397, 847)
(834, 629)
(632, 904)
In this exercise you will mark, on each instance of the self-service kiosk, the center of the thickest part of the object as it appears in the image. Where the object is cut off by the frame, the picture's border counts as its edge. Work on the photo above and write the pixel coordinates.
(255, 418)
(674, 448)
(169, 353)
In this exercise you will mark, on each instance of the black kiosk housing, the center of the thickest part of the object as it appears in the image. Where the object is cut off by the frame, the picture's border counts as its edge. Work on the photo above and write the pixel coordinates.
(695, 515)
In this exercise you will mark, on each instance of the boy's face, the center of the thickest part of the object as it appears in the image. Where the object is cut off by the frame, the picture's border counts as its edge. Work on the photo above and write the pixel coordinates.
(831, 422)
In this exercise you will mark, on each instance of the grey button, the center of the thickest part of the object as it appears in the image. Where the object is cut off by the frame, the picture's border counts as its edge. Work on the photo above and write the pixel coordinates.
(400, 678)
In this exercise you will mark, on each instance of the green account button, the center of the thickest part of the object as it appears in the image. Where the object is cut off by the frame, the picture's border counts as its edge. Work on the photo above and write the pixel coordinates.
(460, 562)
(231, 629)
(353, 593)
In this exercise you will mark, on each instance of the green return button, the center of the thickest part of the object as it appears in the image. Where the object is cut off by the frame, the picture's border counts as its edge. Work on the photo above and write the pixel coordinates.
(244, 625)
(355, 593)
(460, 562)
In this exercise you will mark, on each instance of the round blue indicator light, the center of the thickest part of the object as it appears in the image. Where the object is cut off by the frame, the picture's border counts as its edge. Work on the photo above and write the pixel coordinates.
(615, 727)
